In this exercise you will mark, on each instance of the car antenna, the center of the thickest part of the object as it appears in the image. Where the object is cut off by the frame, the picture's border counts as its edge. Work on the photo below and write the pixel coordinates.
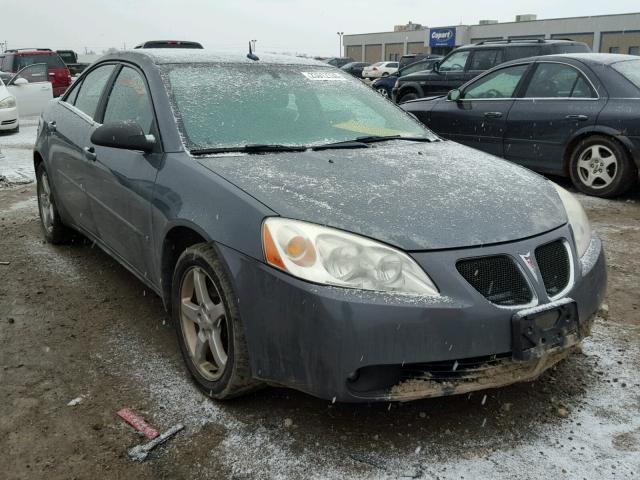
(251, 55)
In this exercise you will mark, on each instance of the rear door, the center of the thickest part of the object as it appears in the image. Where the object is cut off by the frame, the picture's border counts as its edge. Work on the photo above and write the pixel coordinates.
(558, 100)
(32, 96)
(478, 119)
(482, 59)
(70, 127)
(121, 182)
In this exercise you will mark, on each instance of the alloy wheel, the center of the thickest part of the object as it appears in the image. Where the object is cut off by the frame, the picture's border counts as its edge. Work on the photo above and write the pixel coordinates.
(46, 203)
(383, 92)
(203, 320)
(597, 166)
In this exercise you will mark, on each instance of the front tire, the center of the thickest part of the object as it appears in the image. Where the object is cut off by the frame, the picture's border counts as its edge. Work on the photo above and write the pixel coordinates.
(601, 167)
(207, 321)
(53, 229)
(408, 96)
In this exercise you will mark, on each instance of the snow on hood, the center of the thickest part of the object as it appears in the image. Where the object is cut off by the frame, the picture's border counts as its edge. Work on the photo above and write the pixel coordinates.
(414, 196)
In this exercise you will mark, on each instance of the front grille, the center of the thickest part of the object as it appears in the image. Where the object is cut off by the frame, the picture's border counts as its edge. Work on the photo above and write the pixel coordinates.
(497, 278)
(8, 122)
(553, 262)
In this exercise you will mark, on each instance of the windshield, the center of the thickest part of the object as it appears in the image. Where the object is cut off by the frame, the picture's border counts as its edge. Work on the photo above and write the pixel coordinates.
(222, 105)
(630, 70)
(67, 57)
(52, 61)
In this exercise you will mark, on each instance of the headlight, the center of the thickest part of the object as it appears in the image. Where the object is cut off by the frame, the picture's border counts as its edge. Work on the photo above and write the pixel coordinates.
(8, 102)
(577, 219)
(329, 256)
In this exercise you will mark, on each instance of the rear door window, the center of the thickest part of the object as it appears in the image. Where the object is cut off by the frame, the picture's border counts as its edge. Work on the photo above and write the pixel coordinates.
(485, 59)
(558, 80)
(91, 89)
(514, 53)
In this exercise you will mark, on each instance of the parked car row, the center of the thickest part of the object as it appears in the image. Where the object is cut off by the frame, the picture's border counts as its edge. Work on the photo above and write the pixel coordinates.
(573, 115)
(384, 85)
(12, 61)
(22, 94)
(468, 62)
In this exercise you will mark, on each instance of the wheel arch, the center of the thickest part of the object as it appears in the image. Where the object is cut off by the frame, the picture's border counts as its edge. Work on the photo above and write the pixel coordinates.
(583, 134)
(176, 240)
(37, 160)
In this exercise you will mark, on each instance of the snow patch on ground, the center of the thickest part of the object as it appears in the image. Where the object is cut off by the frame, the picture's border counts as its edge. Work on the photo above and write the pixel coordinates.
(592, 451)
(16, 153)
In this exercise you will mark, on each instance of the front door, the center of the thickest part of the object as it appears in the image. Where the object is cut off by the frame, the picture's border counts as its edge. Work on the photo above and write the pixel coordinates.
(558, 101)
(121, 182)
(450, 74)
(478, 118)
(69, 137)
(32, 89)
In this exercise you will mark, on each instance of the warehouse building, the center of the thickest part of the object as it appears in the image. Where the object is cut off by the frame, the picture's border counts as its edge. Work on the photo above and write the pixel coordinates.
(603, 33)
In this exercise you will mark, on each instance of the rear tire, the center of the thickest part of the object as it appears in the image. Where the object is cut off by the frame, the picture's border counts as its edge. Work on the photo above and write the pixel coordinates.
(600, 166)
(53, 229)
(207, 321)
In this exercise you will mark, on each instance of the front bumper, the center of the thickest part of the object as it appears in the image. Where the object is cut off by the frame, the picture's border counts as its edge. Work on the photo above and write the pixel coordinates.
(8, 118)
(355, 345)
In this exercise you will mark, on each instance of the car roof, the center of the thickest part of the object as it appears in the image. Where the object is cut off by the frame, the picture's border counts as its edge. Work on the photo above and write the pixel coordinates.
(520, 43)
(586, 58)
(163, 56)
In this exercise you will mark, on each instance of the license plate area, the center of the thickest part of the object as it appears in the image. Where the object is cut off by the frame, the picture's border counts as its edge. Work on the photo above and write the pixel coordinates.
(535, 331)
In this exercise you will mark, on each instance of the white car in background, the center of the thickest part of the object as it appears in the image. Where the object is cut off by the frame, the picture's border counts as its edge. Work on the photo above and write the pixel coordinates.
(380, 69)
(24, 94)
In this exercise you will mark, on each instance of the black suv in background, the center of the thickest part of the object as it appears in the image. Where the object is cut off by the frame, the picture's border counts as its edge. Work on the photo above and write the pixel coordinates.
(466, 63)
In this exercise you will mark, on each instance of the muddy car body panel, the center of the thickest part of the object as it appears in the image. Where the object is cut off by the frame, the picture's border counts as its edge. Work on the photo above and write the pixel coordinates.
(145, 208)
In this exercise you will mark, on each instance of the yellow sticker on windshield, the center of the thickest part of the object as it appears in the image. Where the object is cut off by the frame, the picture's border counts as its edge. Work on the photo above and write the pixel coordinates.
(320, 76)
(355, 126)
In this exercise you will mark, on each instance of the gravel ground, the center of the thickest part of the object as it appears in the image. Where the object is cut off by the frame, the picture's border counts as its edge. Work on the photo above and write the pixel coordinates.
(74, 324)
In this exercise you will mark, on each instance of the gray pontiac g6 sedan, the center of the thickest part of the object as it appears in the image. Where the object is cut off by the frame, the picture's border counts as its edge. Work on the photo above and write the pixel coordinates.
(303, 231)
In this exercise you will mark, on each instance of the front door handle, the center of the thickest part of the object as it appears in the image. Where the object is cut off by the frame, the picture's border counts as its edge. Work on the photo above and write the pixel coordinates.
(90, 153)
(493, 115)
(579, 118)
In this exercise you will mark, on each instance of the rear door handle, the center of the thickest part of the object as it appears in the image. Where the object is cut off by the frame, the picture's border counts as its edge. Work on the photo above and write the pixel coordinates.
(493, 115)
(51, 126)
(580, 118)
(90, 153)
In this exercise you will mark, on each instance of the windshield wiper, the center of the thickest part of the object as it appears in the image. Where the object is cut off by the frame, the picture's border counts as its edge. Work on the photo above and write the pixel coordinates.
(251, 148)
(361, 142)
(384, 138)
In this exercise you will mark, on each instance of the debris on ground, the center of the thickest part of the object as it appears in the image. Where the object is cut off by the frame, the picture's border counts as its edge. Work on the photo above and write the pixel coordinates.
(562, 412)
(137, 422)
(5, 263)
(140, 453)
(75, 401)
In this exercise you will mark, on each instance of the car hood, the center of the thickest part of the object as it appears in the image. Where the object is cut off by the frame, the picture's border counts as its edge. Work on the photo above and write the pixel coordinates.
(414, 196)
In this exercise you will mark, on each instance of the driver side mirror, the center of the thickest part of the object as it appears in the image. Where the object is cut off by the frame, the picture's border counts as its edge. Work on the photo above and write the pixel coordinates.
(436, 67)
(19, 81)
(454, 95)
(126, 135)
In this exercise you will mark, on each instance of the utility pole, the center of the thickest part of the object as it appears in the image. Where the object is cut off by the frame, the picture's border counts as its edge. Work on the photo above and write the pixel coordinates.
(340, 34)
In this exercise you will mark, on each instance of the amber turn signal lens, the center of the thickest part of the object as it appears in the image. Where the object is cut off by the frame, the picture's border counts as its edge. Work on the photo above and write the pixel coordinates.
(270, 250)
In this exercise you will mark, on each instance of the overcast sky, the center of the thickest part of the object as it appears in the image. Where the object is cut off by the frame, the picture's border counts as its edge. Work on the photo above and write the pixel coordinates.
(279, 25)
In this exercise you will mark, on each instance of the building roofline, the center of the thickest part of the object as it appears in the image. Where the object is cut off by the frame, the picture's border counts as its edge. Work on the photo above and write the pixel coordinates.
(499, 23)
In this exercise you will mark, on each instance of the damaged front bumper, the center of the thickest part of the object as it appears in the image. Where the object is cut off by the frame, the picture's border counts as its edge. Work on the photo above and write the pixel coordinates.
(359, 346)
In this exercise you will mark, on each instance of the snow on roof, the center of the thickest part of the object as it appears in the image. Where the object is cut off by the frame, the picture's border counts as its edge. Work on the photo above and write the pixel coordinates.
(184, 55)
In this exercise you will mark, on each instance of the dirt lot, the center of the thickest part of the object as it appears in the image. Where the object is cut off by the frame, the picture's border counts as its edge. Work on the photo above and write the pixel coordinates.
(73, 323)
